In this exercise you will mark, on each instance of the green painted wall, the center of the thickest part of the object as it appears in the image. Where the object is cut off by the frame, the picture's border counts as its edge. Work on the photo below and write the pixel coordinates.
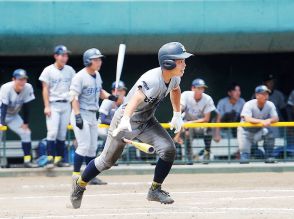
(33, 27)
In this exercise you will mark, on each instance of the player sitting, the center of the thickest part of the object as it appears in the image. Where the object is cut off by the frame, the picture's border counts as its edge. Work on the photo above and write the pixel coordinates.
(257, 111)
(197, 107)
(14, 96)
(135, 119)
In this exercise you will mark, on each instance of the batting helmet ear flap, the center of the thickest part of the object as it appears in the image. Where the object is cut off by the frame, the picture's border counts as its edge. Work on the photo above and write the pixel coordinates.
(168, 64)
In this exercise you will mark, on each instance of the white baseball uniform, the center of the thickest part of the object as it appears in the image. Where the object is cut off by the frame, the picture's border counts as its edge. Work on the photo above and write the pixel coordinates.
(58, 81)
(88, 88)
(14, 101)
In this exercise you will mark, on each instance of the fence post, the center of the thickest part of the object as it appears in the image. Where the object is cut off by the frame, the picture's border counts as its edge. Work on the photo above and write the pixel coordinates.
(285, 144)
(229, 145)
(3, 142)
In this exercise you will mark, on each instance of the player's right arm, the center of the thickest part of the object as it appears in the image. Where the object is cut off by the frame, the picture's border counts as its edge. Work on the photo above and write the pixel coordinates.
(45, 93)
(132, 105)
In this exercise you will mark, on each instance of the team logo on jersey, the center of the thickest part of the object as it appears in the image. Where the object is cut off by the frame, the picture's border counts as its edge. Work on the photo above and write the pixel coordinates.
(150, 100)
(145, 85)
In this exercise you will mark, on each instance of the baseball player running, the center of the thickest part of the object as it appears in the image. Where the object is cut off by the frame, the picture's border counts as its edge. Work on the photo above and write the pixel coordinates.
(56, 79)
(257, 111)
(85, 90)
(197, 108)
(14, 96)
(135, 119)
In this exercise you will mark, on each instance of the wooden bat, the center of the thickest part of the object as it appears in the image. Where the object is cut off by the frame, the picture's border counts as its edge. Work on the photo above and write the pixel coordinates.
(147, 148)
(119, 64)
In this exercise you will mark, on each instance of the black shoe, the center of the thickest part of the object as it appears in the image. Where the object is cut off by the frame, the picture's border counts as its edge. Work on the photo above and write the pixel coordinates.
(50, 164)
(30, 165)
(61, 164)
(97, 181)
(189, 163)
(159, 195)
(76, 193)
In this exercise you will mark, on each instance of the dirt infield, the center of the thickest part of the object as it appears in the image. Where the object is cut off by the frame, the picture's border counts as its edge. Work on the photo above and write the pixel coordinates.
(243, 195)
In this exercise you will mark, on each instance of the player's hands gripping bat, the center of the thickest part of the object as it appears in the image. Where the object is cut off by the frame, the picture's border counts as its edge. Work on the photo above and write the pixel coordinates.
(123, 125)
(176, 122)
(147, 148)
(119, 64)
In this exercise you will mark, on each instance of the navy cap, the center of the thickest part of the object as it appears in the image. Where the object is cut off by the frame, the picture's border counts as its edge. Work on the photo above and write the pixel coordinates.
(199, 83)
(262, 89)
(268, 77)
(61, 49)
(20, 74)
(121, 86)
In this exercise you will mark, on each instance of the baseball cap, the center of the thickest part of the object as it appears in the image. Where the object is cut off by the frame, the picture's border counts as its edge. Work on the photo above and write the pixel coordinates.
(61, 49)
(20, 74)
(262, 89)
(121, 85)
(199, 83)
(268, 77)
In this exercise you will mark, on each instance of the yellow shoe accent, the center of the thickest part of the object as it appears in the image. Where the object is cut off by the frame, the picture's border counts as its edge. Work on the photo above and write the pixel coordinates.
(27, 158)
(50, 158)
(155, 185)
(57, 159)
(76, 173)
(81, 183)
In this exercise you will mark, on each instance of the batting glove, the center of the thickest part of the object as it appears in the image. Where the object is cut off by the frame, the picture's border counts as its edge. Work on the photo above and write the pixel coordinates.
(79, 121)
(176, 122)
(123, 125)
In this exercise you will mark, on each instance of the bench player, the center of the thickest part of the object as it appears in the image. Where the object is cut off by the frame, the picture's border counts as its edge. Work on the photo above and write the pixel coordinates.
(14, 96)
(56, 79)
(135, 119)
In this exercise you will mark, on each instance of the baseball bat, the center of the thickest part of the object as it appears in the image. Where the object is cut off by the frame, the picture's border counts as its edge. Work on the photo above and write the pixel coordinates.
(147, 148)
(119, 64)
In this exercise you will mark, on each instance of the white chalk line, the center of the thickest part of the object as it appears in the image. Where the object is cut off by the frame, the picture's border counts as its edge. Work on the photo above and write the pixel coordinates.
(270, 196)
(192, 211)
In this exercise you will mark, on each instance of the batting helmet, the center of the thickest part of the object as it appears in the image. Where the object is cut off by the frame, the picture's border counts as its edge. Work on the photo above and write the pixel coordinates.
(91, 54)
(121, 85)
(199, 83)
(20, 74)
(169, 52)
(60, 49)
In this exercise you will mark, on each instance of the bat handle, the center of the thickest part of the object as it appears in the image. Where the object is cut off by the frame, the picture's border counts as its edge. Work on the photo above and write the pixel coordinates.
(126, 140)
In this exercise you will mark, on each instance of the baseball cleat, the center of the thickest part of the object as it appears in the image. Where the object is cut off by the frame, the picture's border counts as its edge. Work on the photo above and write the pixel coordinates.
(206, 157)
(97, 181)
(159, 195)
(77, 193)
(61, 164)
(50, 164)
(30, 165)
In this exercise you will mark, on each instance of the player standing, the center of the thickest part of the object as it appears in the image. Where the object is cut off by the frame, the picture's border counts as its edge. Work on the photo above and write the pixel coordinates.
(135, 119)
(197, 107)
(85, 90)
(56, 79)
(14, 96)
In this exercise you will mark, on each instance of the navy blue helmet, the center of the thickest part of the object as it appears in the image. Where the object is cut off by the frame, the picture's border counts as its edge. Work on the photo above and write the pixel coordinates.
(91, 54)
(121, 85)
(170, 52)
(262, 89)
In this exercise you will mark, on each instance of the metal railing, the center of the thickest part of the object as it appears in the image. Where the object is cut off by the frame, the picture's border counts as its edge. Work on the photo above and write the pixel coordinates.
(224, 151)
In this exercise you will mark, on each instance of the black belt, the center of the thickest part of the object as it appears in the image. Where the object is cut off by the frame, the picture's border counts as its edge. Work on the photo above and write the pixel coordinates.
(93, 111)
(60, 101)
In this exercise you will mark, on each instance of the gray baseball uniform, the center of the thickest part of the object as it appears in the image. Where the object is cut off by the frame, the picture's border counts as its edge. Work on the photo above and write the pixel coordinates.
(15, 101)
(144, 125)
(228, 111)
(249, 136)
(107, 108)
(58, 81)
(88, 89)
